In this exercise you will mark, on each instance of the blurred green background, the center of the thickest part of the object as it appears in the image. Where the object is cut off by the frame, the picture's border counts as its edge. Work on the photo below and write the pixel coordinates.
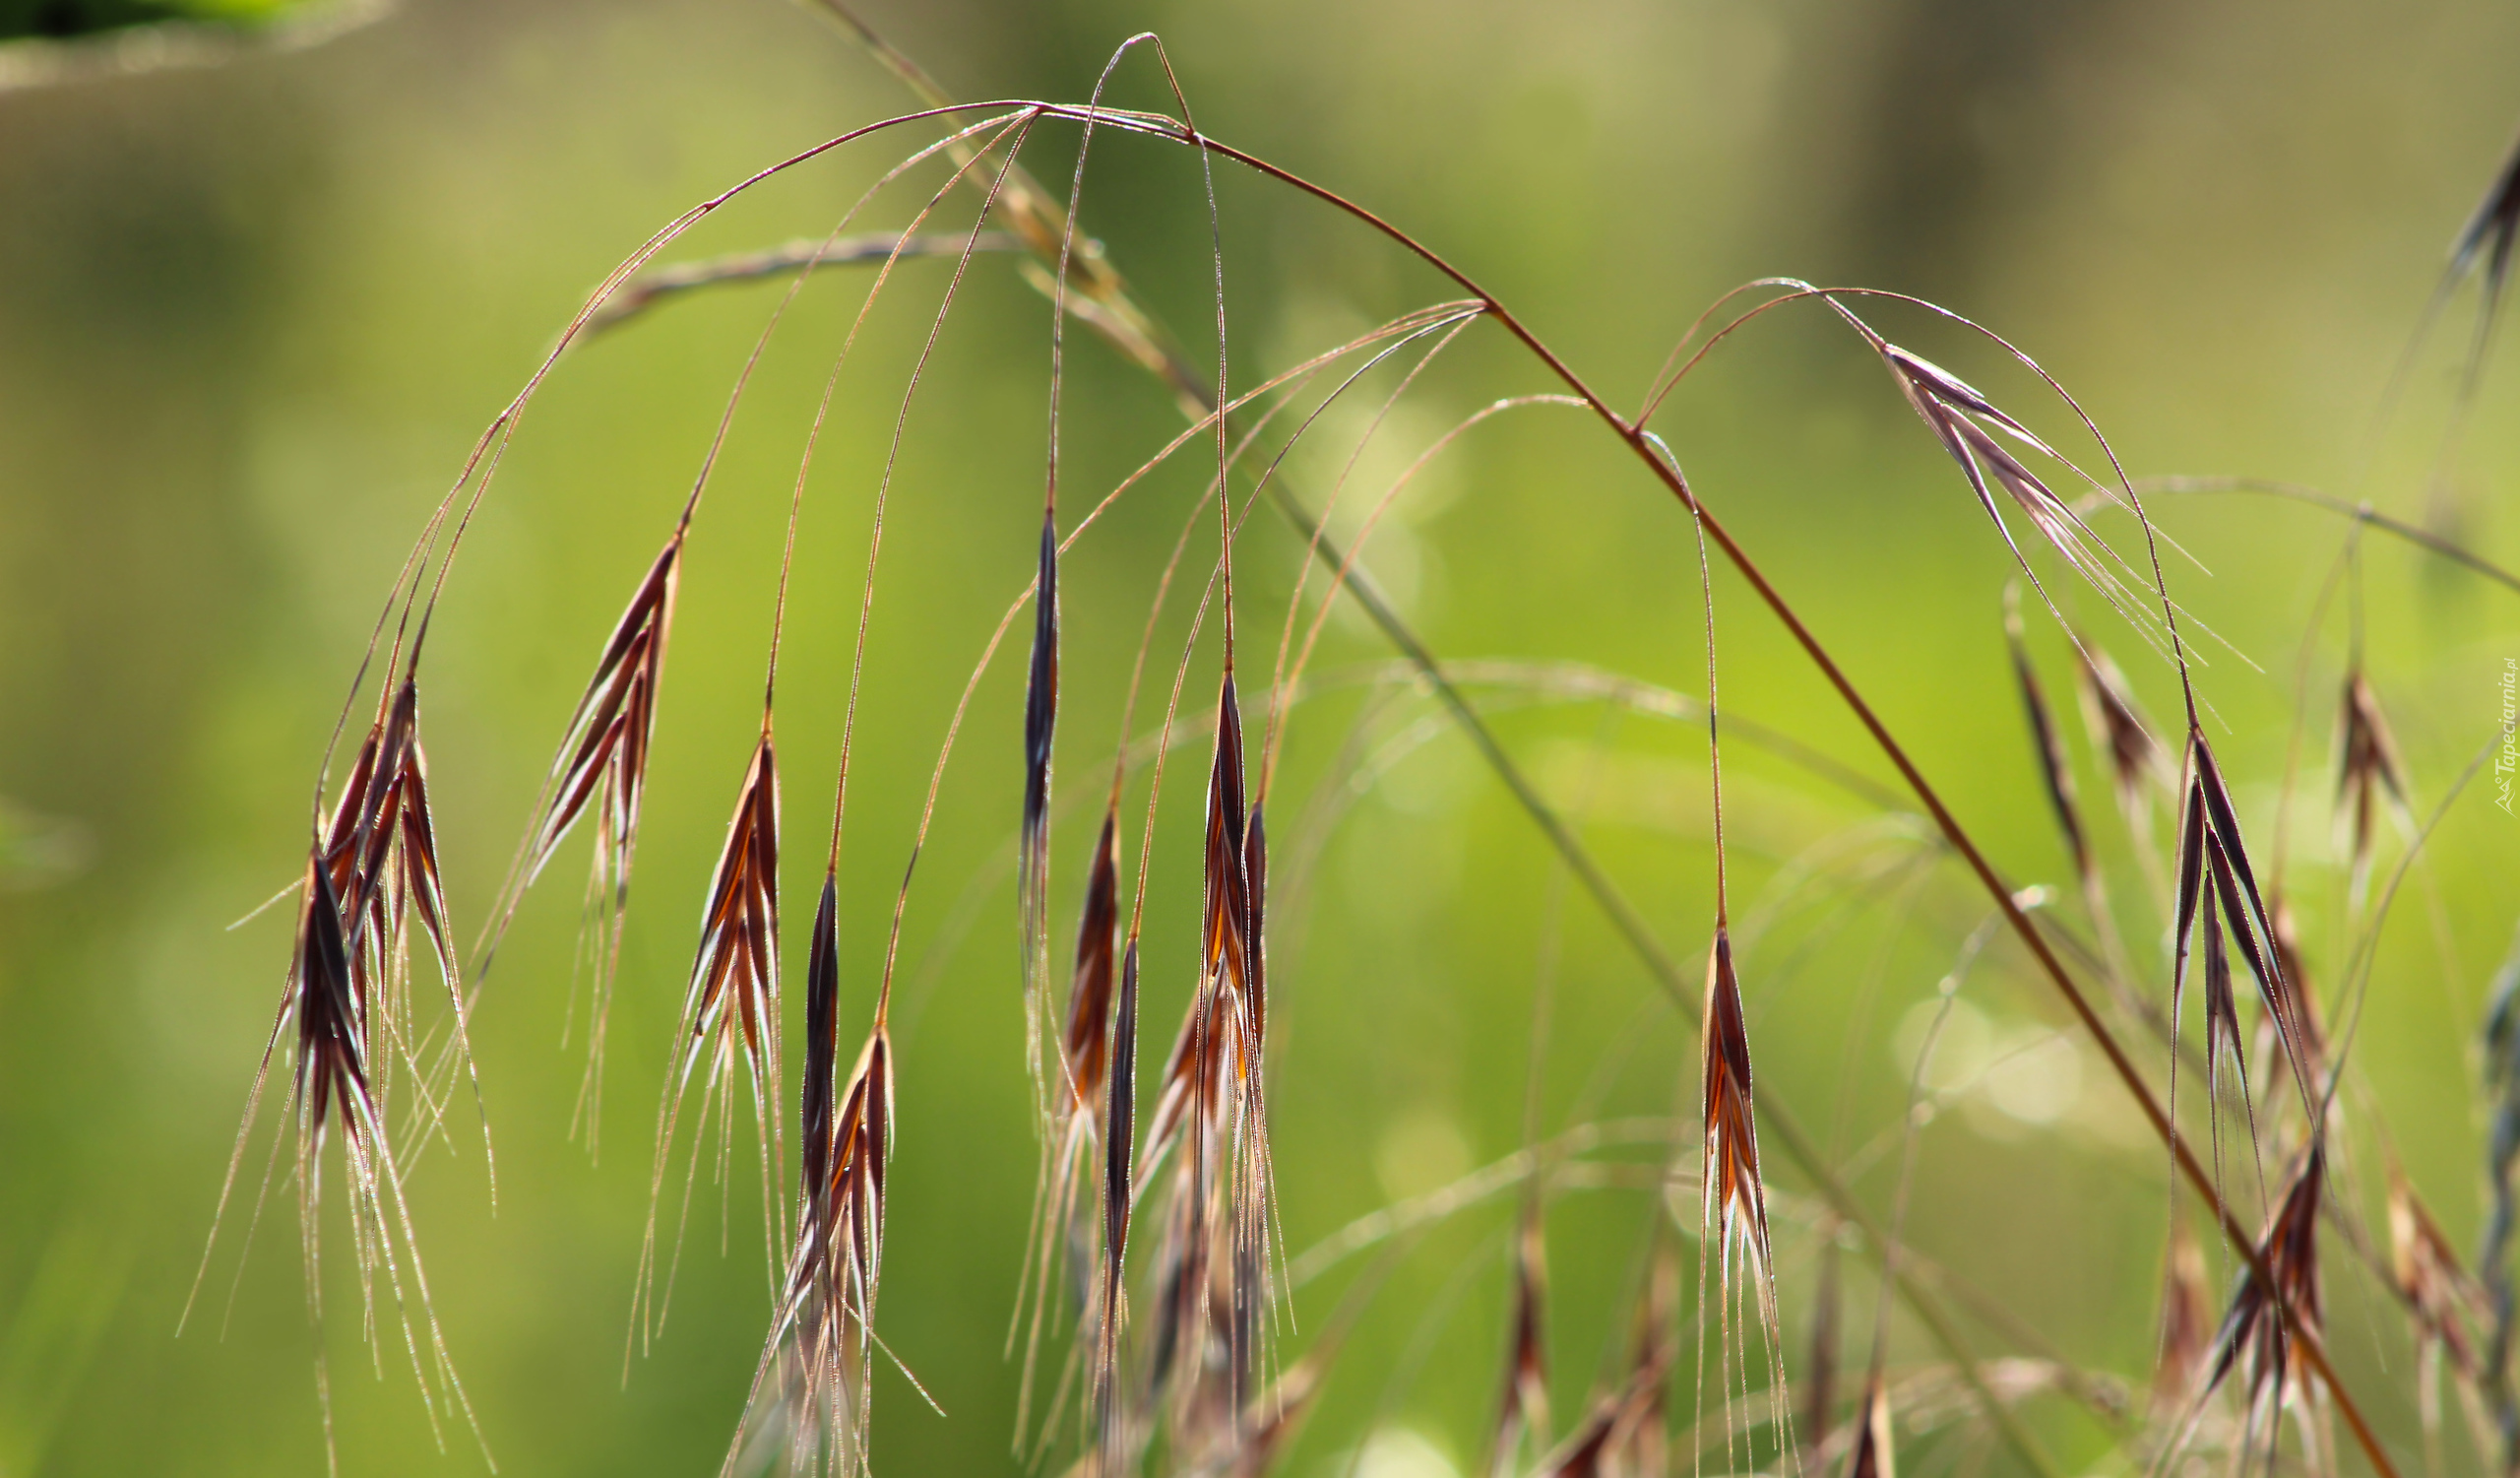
(253, 315)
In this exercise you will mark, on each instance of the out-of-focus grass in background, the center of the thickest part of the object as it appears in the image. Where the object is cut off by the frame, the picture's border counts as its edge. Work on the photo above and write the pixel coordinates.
(252, 316)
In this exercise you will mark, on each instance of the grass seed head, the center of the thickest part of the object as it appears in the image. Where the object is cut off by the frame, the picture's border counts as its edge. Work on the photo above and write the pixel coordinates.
(2054, 772)
(1032, 900)
(2118, 730)
(816, 1105)
(602, 760)
(2444, 1300)
(1735, 1198)
(1085, 1044)
(1959, 417)
(733, 997)
(2255, 1337)
(2213, 858)
(2369, 771)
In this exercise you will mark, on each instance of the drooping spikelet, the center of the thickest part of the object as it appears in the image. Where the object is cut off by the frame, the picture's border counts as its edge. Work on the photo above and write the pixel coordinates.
(730, 1012)
(1213, 1263)
(2118, 730)
(2212, 860)
(2444, 1305)
(1032, 869)
(1734, 1206)
(2255, 1337)
(809, 1404)
(602, 766)
(1959, 417)
(2367, 773)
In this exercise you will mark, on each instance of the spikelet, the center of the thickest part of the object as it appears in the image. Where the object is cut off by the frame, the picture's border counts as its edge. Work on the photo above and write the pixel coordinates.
(2255, 1338)
(602, 766)
(2214, 872)
(1959, 417)
(809, 1401)
(2118, 730)
(1733, 1208)
(371, 864)
(2443, 1303)
(1214, 1261)
(2368, 772)
(1033, 871)
(730, 1012)
(380, 858)
(2049, 746)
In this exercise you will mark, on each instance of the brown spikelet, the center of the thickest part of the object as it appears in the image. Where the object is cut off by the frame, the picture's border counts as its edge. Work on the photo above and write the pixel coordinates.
(332, 1035)
(602, 766)
(2222, 1021)
(381, 860)
(602, 760)
(1033, 877)
(814, 1417)
(803, 1355)
(1213, 1267)
(1522, 1409)
(2255, 1337)
(2368, 772)
(2116, 728)
(2212, 861)
(1733, 1204)
(418, 877)
(2047, 745)
(331, 1085)
(816, 1100)
(2442, 1299)
(730, 1012)
(732, 998)
(1875, 1454)
(1959, 417)
(1085, 1045)
(1227, 921)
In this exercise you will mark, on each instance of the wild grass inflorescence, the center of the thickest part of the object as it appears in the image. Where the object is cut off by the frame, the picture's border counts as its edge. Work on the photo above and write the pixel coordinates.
(1154, 1283)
